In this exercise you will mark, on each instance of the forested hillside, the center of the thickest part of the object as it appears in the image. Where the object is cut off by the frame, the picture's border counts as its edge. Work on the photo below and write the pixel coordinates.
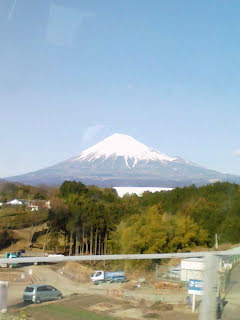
(9, 191)
(92, 220)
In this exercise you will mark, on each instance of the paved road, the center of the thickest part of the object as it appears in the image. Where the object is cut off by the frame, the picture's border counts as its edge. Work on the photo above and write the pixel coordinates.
(45, 274)
(42, 274)
(232, 308)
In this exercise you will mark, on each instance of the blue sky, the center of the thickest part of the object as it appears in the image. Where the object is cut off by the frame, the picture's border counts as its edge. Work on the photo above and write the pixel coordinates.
(73, 72)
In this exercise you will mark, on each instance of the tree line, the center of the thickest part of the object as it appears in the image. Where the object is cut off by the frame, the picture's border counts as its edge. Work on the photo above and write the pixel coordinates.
(85, 216)
(10, 191)
(94, 220)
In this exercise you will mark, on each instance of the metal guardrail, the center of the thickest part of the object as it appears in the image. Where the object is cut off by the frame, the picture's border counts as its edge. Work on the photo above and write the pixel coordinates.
(120, 257)
(209, 298)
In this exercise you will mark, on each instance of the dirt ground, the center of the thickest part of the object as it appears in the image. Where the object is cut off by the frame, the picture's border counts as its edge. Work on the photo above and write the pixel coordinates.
(22, 237)
(118, 301)
(100, 307)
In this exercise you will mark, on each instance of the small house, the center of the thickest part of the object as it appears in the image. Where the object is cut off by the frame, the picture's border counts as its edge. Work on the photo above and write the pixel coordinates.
(15, 202)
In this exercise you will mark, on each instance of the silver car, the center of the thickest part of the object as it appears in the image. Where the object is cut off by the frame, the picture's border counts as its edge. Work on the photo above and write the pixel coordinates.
(38, 293)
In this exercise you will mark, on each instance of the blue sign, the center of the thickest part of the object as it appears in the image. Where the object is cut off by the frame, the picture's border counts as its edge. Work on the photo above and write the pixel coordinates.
(195, 286)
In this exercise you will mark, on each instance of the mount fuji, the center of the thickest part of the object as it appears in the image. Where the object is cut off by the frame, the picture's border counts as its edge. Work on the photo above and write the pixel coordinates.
(120, 160)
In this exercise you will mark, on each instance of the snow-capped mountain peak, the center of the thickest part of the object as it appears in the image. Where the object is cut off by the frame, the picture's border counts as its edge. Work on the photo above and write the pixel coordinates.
(122, 145)
(122, 161)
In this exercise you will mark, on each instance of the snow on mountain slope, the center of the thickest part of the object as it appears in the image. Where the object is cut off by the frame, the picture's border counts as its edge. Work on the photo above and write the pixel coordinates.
(121, 145)
(122, 161)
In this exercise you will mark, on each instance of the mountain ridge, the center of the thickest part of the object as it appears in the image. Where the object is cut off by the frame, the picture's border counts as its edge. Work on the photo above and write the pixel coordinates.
(120, 160)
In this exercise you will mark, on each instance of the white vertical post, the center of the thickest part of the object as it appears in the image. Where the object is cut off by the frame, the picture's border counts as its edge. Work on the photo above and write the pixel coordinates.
(3, 296)
(216, 241)
(209, 299)
(193, 303)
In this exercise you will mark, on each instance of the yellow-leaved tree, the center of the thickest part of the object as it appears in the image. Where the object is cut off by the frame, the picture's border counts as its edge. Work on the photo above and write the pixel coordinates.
(155, 231)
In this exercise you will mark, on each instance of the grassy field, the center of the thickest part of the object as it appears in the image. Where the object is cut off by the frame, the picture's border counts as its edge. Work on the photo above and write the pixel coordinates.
(18, 218)
(62, 312)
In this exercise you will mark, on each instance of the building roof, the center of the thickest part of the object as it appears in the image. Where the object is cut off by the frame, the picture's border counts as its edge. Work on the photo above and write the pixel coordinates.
(121, 191)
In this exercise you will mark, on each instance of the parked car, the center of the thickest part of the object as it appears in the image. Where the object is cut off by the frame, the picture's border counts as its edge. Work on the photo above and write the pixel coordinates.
(38, 293)
(10, 255)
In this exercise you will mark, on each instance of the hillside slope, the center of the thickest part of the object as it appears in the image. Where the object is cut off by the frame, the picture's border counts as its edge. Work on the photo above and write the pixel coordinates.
(120, 160)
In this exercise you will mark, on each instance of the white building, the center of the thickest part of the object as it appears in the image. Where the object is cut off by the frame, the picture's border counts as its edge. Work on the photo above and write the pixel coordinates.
(36, 205)
(192, 268)
(121, 191)
(34, 208)
(15, 202)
